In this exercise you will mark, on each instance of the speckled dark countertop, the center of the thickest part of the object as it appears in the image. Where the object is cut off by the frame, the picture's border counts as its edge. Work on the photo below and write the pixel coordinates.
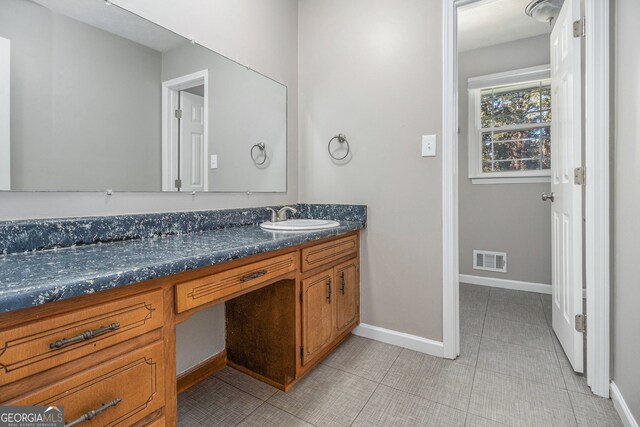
(37, 277)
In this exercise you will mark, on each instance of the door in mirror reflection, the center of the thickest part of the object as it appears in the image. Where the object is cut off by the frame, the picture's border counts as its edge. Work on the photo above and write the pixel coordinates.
(191, 142)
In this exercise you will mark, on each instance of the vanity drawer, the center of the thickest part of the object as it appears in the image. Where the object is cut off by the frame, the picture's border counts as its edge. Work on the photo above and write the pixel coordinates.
(217, 286)
(324, 253)
(47, 343)
(132, 384)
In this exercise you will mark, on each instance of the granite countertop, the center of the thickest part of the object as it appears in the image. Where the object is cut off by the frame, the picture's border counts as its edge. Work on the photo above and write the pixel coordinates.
(38, 277)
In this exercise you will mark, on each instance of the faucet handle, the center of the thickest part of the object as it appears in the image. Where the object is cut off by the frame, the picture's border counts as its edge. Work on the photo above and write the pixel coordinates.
(282, 213)
(274, 214)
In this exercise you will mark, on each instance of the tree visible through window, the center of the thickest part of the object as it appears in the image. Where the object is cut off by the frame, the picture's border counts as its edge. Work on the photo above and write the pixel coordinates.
(515, 128)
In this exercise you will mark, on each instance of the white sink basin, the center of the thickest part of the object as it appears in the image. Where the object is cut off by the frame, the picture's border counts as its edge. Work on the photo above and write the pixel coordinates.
(299, 225)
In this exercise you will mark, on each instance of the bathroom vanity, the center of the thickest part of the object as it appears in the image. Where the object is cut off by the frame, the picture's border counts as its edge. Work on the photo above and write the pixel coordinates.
(290, 298)
(89, 306)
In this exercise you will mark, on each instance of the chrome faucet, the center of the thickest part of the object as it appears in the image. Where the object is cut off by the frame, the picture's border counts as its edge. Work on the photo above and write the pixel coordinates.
(281, 215)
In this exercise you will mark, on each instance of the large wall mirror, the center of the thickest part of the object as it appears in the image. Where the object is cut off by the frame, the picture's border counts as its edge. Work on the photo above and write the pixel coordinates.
(93, 97)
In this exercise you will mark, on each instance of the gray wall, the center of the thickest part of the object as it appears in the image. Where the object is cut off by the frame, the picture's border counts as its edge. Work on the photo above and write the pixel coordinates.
(245, 108)
(626, 205)
(371, 69)
(507, 218)
(79, 97)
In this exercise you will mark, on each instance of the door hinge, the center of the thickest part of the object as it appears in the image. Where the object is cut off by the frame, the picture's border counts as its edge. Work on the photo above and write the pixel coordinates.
(178, 114)
(301, 351)
(579, 28)
(579, 176)
(178, 183)
(581, 323)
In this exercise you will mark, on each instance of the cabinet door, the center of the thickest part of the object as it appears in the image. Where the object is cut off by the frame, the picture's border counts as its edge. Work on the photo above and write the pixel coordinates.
(317, 314)
(347, 295)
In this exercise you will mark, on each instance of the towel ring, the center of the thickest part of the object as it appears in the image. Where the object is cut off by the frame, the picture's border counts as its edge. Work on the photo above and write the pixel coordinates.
(342, 140)
(262, 149)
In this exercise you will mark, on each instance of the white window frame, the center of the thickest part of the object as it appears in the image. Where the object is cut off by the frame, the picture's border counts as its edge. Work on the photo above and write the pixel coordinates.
(475, 86)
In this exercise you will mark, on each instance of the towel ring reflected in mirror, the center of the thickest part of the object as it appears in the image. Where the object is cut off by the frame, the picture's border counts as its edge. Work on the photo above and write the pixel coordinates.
(262, 149)
(342, 139)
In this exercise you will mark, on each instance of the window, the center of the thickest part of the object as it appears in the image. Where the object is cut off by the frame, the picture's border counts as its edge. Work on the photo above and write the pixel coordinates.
(510, 126)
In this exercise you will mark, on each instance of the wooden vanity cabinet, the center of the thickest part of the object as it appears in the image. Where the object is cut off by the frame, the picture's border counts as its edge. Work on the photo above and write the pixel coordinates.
(330, 307)
(111, 352)
(124, 390)
(318, 314)
(285, 311)
(347, 295)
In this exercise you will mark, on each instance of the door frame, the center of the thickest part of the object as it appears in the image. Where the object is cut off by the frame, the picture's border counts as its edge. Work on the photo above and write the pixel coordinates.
(596, 196)
(170, 129)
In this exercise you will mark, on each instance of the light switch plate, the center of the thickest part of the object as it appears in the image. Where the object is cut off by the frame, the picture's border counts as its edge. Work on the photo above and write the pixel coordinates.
(214, 161)
(428, 145)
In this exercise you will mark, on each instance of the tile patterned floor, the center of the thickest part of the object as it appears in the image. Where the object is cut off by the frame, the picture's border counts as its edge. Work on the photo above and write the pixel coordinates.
(511, 371)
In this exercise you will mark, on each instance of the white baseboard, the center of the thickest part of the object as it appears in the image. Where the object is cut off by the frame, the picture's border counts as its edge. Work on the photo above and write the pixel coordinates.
(412, 342)
(621, 406)
(540, 288)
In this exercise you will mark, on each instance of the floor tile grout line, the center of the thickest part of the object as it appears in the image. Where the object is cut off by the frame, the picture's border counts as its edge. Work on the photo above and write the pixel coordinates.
(287, 412)
(425, 398)
(519, 321)
(365, 403)
(391, 366)
(573, 409)
(526, 379)
(523, 378)
(244, 391)
(475, 366)
(520, 345)
(513, 376)
(249, 414)
(545, 325)
(417, 395)
(352, 373)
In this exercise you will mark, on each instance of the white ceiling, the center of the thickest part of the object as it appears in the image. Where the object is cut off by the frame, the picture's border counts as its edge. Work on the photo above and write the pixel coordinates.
(117, 21)
(490, 22)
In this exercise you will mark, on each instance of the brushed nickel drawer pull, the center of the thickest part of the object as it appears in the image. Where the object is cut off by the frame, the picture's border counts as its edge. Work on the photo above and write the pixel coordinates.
(329, 291)
(94, 413)
(252, 276)
(342, 284)
(86, 335)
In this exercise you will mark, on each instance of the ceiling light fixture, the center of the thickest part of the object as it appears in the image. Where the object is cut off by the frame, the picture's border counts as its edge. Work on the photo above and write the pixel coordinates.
(544, 10)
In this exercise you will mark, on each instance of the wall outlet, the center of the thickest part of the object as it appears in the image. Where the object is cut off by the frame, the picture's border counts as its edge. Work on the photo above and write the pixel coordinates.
(214, 161)
(428, 145)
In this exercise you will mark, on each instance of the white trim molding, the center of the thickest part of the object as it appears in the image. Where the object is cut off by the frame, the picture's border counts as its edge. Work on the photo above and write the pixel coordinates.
(400, 339)
(621, 407)
(516, 285)
(519, 76)
(450, 285)
(170, 101)
(596, 195)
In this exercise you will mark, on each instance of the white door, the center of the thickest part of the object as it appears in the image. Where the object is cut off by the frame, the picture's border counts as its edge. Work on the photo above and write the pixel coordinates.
(192, 166)
(5, 114)
(566, 211)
